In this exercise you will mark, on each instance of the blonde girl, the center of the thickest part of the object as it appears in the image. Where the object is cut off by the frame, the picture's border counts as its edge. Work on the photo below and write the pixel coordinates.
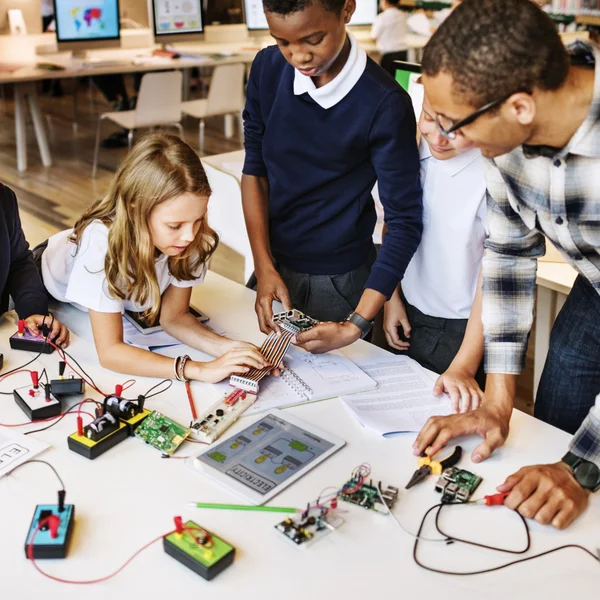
(141, 248)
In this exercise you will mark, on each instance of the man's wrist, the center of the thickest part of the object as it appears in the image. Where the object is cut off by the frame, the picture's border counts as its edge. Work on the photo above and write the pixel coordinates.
(353, 332)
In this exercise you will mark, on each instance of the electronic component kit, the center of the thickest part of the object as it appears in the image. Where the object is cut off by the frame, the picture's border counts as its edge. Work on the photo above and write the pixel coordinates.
(199, 550)
(36, 401)
(24, 339)
(310, 526)
(457, 485)
(221, 415)
(162, 433)
(66, 386)
(50, 530)
(367, 495)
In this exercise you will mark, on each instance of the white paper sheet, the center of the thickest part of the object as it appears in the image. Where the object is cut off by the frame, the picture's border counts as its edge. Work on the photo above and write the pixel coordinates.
(403, 400)
(328, 375)
(16, 449)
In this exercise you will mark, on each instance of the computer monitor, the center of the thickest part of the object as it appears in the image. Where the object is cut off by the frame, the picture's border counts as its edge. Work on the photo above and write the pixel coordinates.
(407, 75)
(365, 13)
(87, 24)
(177, 20)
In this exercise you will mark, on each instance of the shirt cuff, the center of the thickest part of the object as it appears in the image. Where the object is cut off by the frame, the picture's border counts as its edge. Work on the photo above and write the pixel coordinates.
(507, 358)
(256, 168)
(382, 281)
(586, 441)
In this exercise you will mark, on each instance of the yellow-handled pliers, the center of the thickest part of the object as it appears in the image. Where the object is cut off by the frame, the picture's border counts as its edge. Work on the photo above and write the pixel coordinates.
(426, 466)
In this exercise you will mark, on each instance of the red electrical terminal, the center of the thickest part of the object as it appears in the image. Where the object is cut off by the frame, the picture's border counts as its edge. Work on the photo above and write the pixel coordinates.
(53, 525)
(79, 426)
(35, 379)
(334, 503)
(118, 390)
(178, 524)
(21, 326)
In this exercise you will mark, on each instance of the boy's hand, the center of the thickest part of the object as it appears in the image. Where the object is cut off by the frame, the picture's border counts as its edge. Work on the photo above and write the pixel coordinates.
(58, 333)
(488, 421)
(327, 336)
(546, 493)
(394, 315)
(270, 287)
(462, 388)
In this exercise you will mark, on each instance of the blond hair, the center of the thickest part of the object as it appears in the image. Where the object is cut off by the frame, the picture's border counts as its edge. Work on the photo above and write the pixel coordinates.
(160, 167)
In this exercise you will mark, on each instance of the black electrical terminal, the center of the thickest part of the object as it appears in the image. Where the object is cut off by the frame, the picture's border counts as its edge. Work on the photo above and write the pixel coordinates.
(1, 361)
(67, 386)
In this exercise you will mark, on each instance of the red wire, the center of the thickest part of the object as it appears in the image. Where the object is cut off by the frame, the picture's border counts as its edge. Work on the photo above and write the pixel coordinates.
(127, 384)
(111, 575)
(188, 389)
(42, 420)
(3, 377)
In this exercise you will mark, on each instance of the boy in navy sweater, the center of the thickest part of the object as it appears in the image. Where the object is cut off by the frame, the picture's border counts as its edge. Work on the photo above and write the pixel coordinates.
(19, 277)
(322, 123)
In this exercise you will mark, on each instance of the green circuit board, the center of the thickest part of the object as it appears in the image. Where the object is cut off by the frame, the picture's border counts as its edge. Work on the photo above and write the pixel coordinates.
(161, 432)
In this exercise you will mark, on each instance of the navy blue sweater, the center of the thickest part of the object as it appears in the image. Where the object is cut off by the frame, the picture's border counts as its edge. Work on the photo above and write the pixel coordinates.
(19, 277)
(322, 165)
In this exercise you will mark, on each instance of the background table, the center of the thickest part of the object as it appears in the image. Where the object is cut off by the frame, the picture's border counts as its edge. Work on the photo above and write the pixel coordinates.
(129, 496)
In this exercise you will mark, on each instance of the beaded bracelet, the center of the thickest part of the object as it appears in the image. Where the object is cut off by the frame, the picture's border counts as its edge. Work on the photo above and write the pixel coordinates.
(181, 368)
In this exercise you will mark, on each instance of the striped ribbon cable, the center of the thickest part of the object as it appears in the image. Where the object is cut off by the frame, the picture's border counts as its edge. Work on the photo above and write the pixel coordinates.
(273, 349)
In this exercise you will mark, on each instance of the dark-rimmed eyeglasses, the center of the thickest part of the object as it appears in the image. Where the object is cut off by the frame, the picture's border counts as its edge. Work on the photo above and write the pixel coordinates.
(448, 128)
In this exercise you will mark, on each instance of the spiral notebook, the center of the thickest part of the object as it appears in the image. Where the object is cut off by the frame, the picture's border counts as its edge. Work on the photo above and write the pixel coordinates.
(310, 378)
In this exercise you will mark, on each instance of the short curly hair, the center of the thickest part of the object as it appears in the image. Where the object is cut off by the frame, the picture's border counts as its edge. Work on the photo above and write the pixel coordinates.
(493, 48)
(287, 7)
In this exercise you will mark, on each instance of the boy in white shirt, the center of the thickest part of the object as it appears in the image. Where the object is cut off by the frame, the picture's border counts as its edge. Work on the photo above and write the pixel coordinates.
(438, 305)
(389, 31)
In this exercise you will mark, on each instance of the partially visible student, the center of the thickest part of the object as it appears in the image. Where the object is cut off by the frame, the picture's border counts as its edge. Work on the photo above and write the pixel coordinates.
(19, 277)
(389, 31)
(141, 248)
(438, 306)
(322, 124)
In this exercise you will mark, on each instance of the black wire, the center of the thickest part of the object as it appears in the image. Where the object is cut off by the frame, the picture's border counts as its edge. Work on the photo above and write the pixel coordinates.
(43, 462)
(149, 395)
(18, 369)
(492, 569)
(68, 411)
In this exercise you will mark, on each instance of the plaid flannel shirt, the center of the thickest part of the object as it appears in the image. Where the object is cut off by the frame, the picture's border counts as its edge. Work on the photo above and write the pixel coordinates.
(531, 192)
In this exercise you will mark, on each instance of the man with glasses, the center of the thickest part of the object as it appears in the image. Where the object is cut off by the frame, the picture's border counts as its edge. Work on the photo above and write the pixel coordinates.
(498, 71)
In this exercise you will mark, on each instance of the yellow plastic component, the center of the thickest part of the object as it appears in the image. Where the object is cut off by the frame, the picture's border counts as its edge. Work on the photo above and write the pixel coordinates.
(82, 439)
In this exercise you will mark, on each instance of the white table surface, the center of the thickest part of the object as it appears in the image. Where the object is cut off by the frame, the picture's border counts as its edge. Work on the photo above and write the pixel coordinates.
(129, 496)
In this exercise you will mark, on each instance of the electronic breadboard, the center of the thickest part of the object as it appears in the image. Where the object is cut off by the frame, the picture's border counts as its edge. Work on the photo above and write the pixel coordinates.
(369, 496)
(161, 432)
(219, 417)
(457, 485)
(311, 526)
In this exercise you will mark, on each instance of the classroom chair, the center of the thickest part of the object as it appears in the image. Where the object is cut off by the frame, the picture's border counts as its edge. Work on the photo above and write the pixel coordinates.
(225, 97)
(158, 104)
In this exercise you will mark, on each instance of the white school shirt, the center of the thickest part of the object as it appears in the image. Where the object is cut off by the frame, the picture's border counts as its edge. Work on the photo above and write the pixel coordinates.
(389, 30)
(441, 279)
(76, 275)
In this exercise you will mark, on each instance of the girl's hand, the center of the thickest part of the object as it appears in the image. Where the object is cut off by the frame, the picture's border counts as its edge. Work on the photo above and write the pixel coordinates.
(462, 388)
(394, 315)
(236, 361)
(58, 334)
(235, 344)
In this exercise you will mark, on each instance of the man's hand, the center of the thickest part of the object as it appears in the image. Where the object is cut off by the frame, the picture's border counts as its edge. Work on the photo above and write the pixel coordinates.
(462, 388)
(58, 333)
(489, 422)
(394, 315)
(327, 336)
(546, 493)
(270, 287)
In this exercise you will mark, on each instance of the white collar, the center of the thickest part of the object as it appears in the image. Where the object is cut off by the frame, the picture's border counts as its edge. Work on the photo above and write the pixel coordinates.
(337, 89)
(454, 165)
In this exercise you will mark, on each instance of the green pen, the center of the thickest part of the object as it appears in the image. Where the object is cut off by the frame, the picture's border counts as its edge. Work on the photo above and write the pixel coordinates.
(278, 509)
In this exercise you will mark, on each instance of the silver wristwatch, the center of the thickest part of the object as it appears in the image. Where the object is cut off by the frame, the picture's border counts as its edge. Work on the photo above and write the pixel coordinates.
(585, 472)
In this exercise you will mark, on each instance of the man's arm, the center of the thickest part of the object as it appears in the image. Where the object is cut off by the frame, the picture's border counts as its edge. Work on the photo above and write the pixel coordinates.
(509, 269)
(23, 283)
(255, 203)
(395, 158)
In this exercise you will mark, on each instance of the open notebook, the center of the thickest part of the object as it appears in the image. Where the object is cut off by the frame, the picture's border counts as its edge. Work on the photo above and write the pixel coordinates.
(309, 378)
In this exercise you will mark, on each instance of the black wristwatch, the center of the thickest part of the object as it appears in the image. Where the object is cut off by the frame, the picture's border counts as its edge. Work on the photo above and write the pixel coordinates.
(585, 472)
(364, 325)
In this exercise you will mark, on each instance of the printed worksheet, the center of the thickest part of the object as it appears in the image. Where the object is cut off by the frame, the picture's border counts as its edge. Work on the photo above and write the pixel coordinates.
(16, 449)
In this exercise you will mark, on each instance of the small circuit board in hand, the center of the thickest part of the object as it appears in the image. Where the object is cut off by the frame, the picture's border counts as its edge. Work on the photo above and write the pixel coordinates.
(367, 495)
(161, 432)
(310, 526)
(457, 485)
(294, 320)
